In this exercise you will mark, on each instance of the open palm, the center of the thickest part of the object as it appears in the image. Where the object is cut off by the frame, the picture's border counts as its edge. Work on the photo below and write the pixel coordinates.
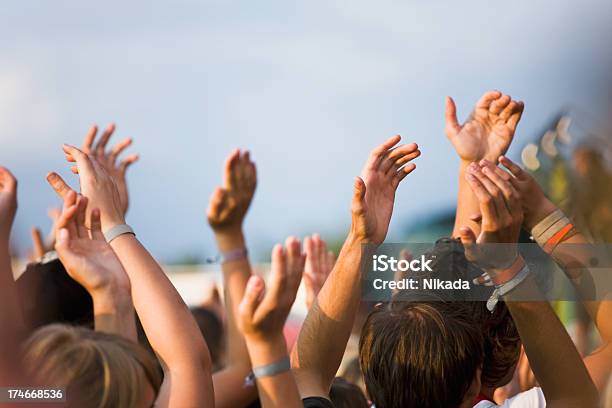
(488, 131)
(89, 260)
(385, 169)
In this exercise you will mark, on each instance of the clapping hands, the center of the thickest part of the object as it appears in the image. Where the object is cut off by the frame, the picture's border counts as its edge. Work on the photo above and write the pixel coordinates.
(502, 217)
(85, 254)
(96, 184)
(108, 159)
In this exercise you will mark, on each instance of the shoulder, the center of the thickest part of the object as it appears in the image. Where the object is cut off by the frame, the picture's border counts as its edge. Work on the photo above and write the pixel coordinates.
(317, 402)
(533, 398)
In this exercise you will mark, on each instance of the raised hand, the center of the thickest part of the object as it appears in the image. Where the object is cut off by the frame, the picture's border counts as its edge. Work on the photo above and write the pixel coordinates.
(262, 315)
(96, 184)
(488, 131)
(502, 216)
(374, 195)
(91, 261)
(107, 159)
(535, 204)
(86, 255)
(319, 264)
(230, 203)
(8, 200)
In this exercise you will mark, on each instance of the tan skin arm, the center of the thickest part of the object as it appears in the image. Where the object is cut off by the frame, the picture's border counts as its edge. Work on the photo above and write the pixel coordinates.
(570, 258)
(262, 315)
(226, 212)
(316, 362)
(486, 134)
(11, 318)
(184, 354)
(565, 381)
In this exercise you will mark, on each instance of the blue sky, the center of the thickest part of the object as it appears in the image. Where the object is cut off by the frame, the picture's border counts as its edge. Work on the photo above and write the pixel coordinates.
(309, 87)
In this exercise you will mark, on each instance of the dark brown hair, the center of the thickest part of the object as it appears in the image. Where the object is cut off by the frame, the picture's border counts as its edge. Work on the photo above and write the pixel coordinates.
(419, 354)
(502, 343)
(345, 394)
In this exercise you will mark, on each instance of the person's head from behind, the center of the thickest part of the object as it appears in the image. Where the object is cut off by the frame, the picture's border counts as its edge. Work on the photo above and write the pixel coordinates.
(95, 369)
(421, 354)
(345, 394)
(501, 340)
(212, 329)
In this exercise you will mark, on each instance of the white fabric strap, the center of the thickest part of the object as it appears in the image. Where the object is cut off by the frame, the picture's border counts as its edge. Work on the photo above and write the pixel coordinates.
(118, 230)
(504, 289)
(549, 226)
(237, 254)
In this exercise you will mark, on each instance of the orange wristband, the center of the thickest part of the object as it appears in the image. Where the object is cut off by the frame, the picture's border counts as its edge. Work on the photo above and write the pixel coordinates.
(552, 243)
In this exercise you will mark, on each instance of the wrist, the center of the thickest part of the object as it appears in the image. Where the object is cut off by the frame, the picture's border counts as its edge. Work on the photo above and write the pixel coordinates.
(536, 214)
(110, 222)
(229, 239)
(355, 238)
(266, 349)
(111, 300)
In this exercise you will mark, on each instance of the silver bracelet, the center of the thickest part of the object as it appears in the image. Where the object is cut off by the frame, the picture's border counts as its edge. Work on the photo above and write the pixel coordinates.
(118, 230)
(268, 370)
(504, 289)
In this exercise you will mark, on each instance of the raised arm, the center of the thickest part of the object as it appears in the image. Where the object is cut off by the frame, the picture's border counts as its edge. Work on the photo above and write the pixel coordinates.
(486, 134)
(565, 381)
(90, 261)
(226, 212)
(331, 317)
(262, 315)
(319, 264)
(11, 319)
(108, 159)
(571, 258)
(167, 322)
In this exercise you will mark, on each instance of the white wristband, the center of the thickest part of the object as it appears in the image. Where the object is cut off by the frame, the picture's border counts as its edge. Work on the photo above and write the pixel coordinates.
(118, 230)
(505, 288)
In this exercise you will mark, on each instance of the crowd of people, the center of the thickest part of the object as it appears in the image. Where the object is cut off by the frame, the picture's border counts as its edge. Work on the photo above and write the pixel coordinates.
(118, 334)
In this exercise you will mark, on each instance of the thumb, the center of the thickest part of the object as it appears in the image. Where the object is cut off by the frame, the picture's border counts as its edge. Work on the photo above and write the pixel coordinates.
(452, 125)
(252, 296)
(359, 192)
(62, 240)
(468, 238)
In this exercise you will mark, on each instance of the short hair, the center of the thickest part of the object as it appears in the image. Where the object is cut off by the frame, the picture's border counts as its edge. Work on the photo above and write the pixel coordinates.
(95, 369)
(49, 295)
(419, 354)
(212, 330)
(345, 394)
(501, 341)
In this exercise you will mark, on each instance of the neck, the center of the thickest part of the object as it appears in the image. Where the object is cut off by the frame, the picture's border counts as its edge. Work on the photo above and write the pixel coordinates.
(487, 392)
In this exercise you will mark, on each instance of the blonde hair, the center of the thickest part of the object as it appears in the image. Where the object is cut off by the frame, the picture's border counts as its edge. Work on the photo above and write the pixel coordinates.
(96, 369)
